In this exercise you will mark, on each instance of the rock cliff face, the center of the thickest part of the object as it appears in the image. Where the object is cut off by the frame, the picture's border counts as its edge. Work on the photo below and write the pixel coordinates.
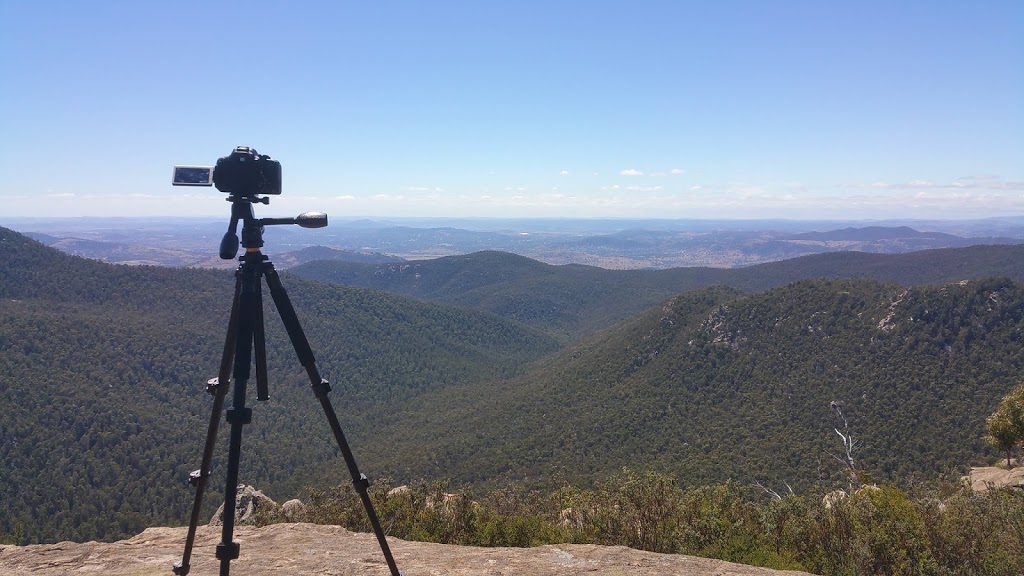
(288, 549)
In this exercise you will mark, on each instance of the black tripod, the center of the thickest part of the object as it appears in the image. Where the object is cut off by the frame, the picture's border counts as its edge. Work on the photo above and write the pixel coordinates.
(245, 335)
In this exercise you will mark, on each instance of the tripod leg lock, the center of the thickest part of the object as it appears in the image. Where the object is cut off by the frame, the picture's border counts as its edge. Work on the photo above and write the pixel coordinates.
(227, 551)
(322, 389)
(362, 484)
(241, 415)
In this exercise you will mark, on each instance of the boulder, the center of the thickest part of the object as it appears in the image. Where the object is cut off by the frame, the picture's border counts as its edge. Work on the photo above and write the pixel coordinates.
(294, 511)
(248, 503)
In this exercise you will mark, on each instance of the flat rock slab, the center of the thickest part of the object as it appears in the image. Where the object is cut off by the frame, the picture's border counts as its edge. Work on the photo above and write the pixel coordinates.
(289, 549)
(983, 478)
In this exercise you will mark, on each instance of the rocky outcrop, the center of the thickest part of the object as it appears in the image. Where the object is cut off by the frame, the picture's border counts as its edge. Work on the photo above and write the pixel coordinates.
(289, 549)
(249, 502)
(984, 478)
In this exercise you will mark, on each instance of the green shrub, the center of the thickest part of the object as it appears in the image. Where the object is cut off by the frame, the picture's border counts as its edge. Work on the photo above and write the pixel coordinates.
(976, 533)
(877, 530)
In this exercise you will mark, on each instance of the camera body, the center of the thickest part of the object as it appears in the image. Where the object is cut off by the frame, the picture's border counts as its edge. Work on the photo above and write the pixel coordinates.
(246, 172)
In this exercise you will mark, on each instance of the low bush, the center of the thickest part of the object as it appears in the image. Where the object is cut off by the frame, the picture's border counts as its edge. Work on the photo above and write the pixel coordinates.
(875, 530)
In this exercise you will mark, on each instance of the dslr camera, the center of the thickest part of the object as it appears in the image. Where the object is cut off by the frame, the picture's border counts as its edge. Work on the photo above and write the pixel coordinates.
(245, 172)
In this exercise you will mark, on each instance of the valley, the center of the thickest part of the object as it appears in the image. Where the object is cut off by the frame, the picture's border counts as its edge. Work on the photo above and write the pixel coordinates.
(489, 368)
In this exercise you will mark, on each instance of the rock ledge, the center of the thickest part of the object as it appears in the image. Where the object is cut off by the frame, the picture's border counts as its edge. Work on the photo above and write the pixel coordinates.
(287, 549)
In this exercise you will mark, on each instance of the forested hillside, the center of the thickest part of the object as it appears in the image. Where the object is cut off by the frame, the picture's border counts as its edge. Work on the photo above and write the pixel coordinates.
(102, 408)
(572, 300)
(565, 300)
(716, 386)
(103, 367)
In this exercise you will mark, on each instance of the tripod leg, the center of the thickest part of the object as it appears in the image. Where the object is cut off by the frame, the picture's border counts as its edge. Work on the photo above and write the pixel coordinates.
(219, 388)
(321, 387)
(259, 343)
(238, 415)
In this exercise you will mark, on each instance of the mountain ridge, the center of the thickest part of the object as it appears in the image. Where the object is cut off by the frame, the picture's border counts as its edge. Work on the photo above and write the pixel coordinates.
(575, 300)
(716, 385)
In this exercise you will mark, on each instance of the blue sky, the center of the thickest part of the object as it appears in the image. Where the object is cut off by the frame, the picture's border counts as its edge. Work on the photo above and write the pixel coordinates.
(724, 109)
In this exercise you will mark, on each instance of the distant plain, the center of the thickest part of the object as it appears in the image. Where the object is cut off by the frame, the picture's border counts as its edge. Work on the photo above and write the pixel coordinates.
(606, 243)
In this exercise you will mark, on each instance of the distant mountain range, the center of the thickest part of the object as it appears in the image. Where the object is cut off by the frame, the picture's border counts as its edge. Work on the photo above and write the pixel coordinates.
(877, 233)
(498, 368)
(612, 244)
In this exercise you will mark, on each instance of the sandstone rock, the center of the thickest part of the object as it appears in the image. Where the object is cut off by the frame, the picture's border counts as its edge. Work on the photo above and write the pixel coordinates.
(983, 478)
(248, 502)
(294, 511)
(402, 490)
(289, 549)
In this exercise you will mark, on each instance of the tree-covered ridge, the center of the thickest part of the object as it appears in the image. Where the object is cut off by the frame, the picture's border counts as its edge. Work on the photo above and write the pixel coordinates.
(573, 300)
(103, 370)
(717, 386)
(565, 300)
(33, 271)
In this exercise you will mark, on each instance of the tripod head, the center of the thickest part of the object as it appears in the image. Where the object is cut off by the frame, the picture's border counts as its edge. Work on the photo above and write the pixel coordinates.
(252, 227)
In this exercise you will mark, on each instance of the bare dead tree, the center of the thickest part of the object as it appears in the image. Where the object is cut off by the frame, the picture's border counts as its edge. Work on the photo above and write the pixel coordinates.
(848, 446)
(775, 495)
(769, 491)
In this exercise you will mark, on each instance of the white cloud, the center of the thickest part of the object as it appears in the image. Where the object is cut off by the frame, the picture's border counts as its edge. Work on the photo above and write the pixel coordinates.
(346, 197)
(631, 172)
(563, 173)
(674, 172)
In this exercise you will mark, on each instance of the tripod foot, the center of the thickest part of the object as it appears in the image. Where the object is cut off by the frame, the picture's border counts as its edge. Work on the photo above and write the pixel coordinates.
(180, 569)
